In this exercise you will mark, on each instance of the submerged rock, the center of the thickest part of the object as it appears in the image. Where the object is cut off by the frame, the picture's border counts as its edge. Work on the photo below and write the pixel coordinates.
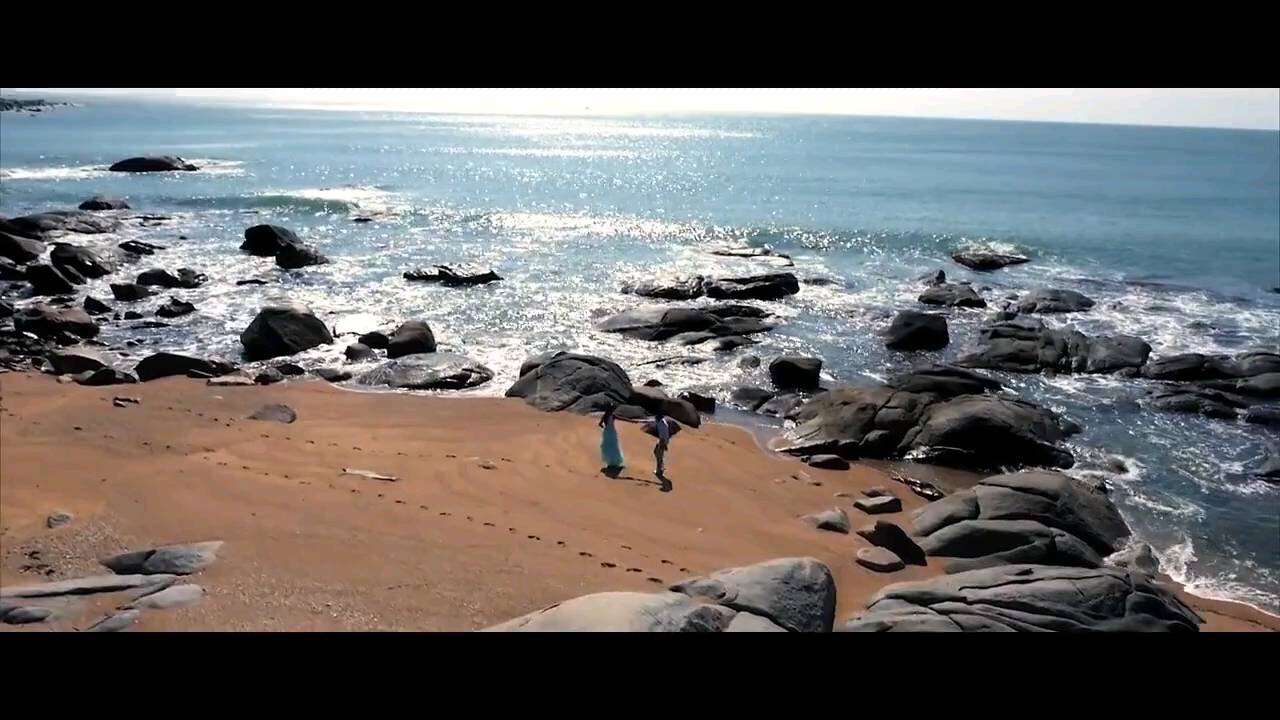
(153, 163)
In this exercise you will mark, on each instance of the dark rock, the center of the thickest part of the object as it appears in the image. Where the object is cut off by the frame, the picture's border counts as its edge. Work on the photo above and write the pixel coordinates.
(153, 163)
(943, 380)
(785, 405)
(878, 505)
(623, 612)
(828, 462)
(972, 544)
(885, 534)
(129, 292)
(186, 278)
(653, 400)
(150, 325)
(533, 362)
(451, 277)
(751, 398)
(986, 260)
(375, 340)
(47, 280)
(1263, 415)
(678, 289)
(74, 361)
(1138, 557)
(6, 310)
(412, 337)
(289, 369)
(750, 252)
(1025, 344)
(58, 519)
(937, 277)
(1195, 367)
(104, 202)
(794, 372)
(137, 247)
(357, 352)
(1190, 399)
(270, 376)
(879, 559)
(703, 403)
(658, 323)
(569, 381)
(268, 240)
(24, 615)
(275, 413)
(952, 295)
(118, 622)
(732, 342)
(47, 322)
(20, 249)
(917, 331)
(283, 329)
(429, 371)
(233, 380)
(774, 286)
(1054, 301)
(251, 281)
(175, 308)
(333, 375)
(76, 221)
(292, 257)
(94, 306)
(1024, 598)
(11, 271)
(107, 376)
(833, 520)
(985, 432)
(183, 559)
(166, 364)
(798, 594)
(132, 315)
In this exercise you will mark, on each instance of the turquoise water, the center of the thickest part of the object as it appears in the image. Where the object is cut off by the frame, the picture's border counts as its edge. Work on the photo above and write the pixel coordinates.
(1176, 233)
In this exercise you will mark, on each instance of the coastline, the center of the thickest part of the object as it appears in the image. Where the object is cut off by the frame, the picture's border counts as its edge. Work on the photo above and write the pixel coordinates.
(499, 509)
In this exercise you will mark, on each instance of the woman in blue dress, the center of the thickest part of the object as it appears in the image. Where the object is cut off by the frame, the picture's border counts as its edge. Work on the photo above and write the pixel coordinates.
(610, 450)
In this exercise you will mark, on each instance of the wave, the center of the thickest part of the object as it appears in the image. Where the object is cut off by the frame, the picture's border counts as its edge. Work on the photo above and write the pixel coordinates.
(354, 199)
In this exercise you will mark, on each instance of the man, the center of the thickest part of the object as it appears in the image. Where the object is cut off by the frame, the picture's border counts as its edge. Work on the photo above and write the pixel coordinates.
(663, 431)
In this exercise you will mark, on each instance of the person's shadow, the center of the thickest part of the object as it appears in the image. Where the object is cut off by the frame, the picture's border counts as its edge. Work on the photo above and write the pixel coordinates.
(615, 473)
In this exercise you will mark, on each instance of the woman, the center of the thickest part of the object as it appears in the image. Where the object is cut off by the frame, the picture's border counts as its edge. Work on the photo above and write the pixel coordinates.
(610, 450)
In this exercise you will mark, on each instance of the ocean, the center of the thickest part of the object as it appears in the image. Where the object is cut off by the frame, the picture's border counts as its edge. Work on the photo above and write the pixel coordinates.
(1175, 232)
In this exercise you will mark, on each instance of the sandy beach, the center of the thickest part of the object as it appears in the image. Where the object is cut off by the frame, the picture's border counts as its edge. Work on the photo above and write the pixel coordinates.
(498, 509)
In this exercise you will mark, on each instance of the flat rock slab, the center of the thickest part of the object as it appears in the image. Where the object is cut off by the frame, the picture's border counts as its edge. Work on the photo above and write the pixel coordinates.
(879, 559)
(275, 413)
(623, 612)
(798, 594)
(834, 520)
(85, 586)
(878, 505)
(116, 623)
(169, 559)
(171, 597)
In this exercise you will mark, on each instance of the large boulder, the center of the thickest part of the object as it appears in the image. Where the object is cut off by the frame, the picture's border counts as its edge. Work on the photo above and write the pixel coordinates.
(428, 371)
(569, 381)
(1048, 300)
(106, 376)
(267, 240)
(917, 331)
(20, 249)
(659, 323)
(453, 277)
(794, 372)
(60, 221)
(49, 322)
(104, 202)
(623, 612)
(986, 260)
(185, 278)
(653, 399)
(1198, 401)
(889, 536)
(130, 292)
(1026, 344)
(412, 337)
(166, 364)
(952, 295)
(798, 594)
(73, 361)
(47, 280)
(1028, 598)
(855, 422)
(283, 329)
(294, 256)
(1196, 367)
(986, 432)
(943, 380)
(773, 286)
(1265, 385)
(153, 163)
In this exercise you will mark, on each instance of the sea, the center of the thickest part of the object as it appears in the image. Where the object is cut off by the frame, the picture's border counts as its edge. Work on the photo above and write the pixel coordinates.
(1175, 232)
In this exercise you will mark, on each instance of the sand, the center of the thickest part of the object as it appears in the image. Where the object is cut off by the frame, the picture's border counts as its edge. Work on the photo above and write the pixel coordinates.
(498, 509)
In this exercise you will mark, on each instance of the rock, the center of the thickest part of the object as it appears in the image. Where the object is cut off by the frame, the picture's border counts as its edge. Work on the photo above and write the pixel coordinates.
(412, 337)
(6, 310)
(1263, 415)
(20, 249)
(732, 342)
(1138, 557)
(175, 596)
(451, 277)
(175, 308)
(679, 289)
(793, 372)
(80, 261)
(283, 329)
(58, 519)
(75, 360)
(984, 432)
(828, 462)
(251, 281)
(106, 376)
(115, 623)
(47, 280)
(428, 371)
(662, 323)
(268, 240)
(917, 331)
(153, 163)
(292, 257)
(943, 380)
(375, 340)
(653, 400)
(10, 271)
(986, 260)
(1028, 598)
(47, 322)
(166, 364)
(533, 362)
(749, 362)
(703, 403)
(750, 622)
(289, 369)
(59, 221)
(85, 585)
(885, 534)
(186, 278)
(270, 376)
(183, 559)
(879, 559)
(798, 594)
(773, 286)
(357, 352)
(833, 520)
(24, 615)
(569, 381)
(129, 292)
(275, 412)
(622, 612)
(94, 306)
(131, 315)
(784, 405)
(232, 380)
(124, 401)
(952, 295)
(878, 505)
(937, 277)
(750, 252)
(333, 375)
(1270, 467)
(751, 398)
(1190, 399)
(1054, 301)
(1196, 367)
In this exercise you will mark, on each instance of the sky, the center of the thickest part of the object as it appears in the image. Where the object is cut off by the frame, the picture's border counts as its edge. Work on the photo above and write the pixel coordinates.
(1256, 108)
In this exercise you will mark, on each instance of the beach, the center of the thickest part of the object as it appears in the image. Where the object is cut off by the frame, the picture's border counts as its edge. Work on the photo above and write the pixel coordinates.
(498, 509)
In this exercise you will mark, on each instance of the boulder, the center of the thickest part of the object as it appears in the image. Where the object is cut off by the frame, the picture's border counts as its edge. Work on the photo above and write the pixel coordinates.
(1266, 385)
(153, 163)
(183, 559)
(283, 329)
(74, 361)
(275, 412)
(451, 277)
(186, 278)
(533, 362)
(94, 306)
(48, 322)
(885, 534)
(24, 615)
(569, 381)
(943, 380)
(1025, 344)
(793, 372)
(678, 289)
(232, 380)
(1138, 557)
(166, 364)
(333, 375)
(137, 247)
(106, 376)
(375, 340)
(1263, 415)
(104, 202)
(659, 323)
(270, 376)
(428, 371)
(118, 622)
(87, 585)
(358, 352)
(623, 612)
(267, 240)
(6, 310)
(412, 337)
(827, 462)
(952, 295)
(11, 271)
(1047, 300)
(879, 559)
(986, 260)
(703, 403)
(732, 342)
(750, 622)
(289, 369)
(130, 315)
(1197, 367)
(751, 398)
(985, 432)
(20, 249)
(175, 596)
(1196, 400)
(59, 221)
(653, 400)
(798, 594)
(833, 520)
(175, 308)
(773, 286)
(879, 504)
(917, 331)
(294, 256)
(784, 405)
(129, 292)
(937, 277)
(47, 280)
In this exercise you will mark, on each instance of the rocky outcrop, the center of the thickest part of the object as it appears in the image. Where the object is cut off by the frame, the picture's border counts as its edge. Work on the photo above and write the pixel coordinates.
(412, 337)
(1025, 344)
(986, 260)
(952, 295)
(60, 221)
(453, 277)
(49, 322)
(569, 381)
(917, 331)
(153, 163)
(794, 372)
(1049, 300)
(428, 371)
(774, 286)
(20, 249)
(268, 240)
(104, 202)
(166, 364)
(944, 381)
(284, 329)
(659, 323)
(185, 278)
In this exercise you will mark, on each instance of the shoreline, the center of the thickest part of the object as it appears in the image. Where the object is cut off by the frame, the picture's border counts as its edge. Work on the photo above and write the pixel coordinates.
(499, 509)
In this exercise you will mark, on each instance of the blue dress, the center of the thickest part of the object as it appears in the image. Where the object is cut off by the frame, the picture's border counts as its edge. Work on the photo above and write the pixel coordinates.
(610, 450)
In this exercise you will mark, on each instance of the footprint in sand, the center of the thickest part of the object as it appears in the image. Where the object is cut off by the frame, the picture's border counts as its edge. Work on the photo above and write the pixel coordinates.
(625, 547)
(684, 570)
(311, 442)
(444, 514)
(584, 553)
(667, 562)
(489, 524)
(659, 581)
(608, 565)
(423, 507)
(399, 502)
(533, 537)
(560, 543)
(468, 518)
(379, 494)
(634, 570)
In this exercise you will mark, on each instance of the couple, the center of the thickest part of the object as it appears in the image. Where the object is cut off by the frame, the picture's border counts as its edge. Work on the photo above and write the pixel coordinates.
(611, 450)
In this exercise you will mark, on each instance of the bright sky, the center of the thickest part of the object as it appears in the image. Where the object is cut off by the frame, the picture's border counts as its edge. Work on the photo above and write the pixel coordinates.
(1205, 107)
